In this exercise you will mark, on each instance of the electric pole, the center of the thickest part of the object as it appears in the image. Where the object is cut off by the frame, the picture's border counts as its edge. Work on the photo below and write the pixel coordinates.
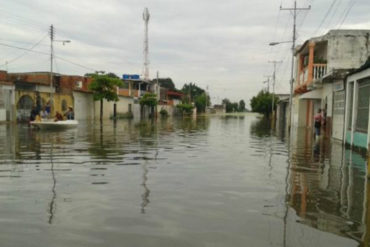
(273, 84)
(268, 83)
(51, 63)
(294, 11)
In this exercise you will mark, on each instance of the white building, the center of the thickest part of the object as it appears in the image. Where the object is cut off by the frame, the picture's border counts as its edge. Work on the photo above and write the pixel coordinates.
(322, 64)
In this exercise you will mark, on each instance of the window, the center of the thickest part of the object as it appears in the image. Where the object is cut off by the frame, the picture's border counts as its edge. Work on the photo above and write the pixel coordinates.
(339, 103)
(362, 120)
(350, 105)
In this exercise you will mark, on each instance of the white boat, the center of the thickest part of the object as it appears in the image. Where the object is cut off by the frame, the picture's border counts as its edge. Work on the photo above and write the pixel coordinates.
(55, 125)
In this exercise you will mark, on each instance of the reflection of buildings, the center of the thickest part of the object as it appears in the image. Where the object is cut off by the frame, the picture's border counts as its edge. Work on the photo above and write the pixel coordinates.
(329, 194)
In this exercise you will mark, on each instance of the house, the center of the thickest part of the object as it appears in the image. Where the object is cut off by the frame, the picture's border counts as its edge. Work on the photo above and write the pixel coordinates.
(357, 107)
(7, 98)
(322, 64)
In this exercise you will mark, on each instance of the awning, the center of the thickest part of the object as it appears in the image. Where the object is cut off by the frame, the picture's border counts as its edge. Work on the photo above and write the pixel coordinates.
(314, 94)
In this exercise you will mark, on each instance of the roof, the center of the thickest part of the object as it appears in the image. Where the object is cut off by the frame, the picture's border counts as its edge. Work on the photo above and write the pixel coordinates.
(173, 93)
(331, 33)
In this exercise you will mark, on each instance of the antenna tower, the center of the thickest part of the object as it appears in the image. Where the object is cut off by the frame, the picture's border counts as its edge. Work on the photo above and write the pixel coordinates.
(146, 17)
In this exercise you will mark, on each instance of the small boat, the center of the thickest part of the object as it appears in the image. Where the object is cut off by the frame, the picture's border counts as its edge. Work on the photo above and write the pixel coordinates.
(55, 125)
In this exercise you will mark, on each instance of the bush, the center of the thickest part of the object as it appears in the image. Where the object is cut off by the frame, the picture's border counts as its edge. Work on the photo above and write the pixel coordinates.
(185, 108)
(163, 113)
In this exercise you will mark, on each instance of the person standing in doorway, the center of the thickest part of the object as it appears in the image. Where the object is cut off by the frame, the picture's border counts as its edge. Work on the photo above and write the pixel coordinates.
(318, 121)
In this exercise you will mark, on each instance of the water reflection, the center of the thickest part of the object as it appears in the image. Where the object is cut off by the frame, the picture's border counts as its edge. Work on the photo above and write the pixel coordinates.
(52, 204)
(328, 186)
(185, 182)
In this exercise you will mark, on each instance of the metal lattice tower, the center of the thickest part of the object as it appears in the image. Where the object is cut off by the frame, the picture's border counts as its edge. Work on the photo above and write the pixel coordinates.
(146, 17)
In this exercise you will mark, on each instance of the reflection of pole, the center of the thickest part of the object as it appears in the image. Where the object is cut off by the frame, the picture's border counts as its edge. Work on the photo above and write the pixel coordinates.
(285, 218)
(52, 202)
(145, 195)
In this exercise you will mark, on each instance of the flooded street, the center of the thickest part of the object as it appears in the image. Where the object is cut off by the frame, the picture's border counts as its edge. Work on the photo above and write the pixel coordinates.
(218, 181)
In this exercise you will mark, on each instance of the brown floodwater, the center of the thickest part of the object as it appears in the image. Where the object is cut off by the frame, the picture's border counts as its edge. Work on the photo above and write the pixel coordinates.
(218, 181)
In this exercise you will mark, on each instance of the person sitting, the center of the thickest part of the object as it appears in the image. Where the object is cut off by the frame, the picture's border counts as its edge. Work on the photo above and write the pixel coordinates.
(58, 117)
(33, 114)
(44, 113)
(70, 114)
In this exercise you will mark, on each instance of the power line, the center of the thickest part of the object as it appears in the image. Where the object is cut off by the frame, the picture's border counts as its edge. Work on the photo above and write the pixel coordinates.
(349, 8)
(335, 10)
(30, 49)
(79, 65)
(22, 48)
(325, 16)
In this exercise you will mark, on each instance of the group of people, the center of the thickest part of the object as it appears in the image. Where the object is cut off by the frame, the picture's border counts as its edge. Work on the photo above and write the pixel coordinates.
(320, 120)
(37, 115)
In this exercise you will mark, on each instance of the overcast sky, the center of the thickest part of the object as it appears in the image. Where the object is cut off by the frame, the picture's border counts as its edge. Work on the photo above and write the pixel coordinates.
(215, 43)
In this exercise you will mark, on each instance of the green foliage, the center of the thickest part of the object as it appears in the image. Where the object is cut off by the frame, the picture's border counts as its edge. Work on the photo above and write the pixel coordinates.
(230, 106)
(201, 102)
(241, 107)
(163, 113)
(192, 91)
(166, 83)
(185, 108)
(149, 99)
(262, 103)
(104, 87)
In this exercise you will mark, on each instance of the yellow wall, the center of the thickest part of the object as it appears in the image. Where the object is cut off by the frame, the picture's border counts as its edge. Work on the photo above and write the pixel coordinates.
(45, 97)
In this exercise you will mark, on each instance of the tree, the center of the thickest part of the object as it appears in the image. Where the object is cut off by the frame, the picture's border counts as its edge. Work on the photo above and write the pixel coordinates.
(166, 83)
(185, 108)
(192, 91)
(262, 103)
(150, 100)
(104, 87)
(201, 102)
(241, 106)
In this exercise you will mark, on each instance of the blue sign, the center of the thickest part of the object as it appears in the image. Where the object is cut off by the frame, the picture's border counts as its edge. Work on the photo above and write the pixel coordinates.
(130, 77)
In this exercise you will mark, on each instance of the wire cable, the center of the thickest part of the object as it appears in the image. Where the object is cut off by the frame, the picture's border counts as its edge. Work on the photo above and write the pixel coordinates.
(350, 6)
(24, 53)
(325, 16)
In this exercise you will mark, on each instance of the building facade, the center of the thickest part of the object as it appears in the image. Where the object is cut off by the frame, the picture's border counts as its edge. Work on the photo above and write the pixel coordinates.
(322, 63)
(357, 108)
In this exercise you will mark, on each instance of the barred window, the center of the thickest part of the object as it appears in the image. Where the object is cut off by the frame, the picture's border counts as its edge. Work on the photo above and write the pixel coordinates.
(350, 101)
(362, 120)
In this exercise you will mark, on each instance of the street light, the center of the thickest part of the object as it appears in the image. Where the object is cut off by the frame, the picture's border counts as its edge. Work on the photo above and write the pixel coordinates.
(63, 41)
(278, 43)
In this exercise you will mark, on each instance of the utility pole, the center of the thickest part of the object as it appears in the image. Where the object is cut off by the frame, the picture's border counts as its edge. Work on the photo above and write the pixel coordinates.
(146, 17)
(158, 87)
(268, 82)
(51, 63)
(273, 85)
(294, 10)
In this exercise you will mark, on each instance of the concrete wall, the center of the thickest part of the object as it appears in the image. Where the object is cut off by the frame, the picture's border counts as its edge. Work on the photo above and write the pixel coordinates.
(59, 100)
(108, 107)
(7, 103)
(84, 106)
(169, 108)
(347, 48)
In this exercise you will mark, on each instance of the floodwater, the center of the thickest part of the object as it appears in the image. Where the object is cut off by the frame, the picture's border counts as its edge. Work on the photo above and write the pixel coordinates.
(218, 181)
